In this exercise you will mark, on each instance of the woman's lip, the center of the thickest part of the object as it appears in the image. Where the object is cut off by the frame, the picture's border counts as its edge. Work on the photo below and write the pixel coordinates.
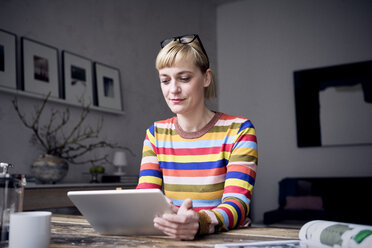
(177, 100)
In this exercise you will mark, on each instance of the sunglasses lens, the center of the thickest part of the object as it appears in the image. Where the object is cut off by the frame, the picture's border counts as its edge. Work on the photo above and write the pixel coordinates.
(166, 42)
(187, 39)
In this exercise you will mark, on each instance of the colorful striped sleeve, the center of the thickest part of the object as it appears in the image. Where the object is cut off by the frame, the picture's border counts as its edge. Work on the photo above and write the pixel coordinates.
(239, 182)
(150, 174)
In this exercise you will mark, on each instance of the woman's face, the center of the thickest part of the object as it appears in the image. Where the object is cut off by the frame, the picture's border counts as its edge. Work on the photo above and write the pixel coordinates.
(183, 86)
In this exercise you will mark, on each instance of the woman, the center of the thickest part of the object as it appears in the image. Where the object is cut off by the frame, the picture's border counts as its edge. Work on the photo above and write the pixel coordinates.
(204, 160)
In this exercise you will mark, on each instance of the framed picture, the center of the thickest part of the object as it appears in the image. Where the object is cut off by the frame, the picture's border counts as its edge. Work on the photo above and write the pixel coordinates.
(108, 86)
(8, 72)
(40, 68)
(334, 105)
(78, 79)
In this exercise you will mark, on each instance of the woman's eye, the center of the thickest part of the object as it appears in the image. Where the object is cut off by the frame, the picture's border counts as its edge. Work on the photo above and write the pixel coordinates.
(185, 79)
(164, 81)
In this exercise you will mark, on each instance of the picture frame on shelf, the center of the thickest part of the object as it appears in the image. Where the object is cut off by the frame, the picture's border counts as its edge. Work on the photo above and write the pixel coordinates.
(108, 86)
(8, 59)
(78, 79)
(40, 68)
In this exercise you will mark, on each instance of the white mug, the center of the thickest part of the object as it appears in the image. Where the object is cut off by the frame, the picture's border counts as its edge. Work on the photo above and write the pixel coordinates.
(29, 229)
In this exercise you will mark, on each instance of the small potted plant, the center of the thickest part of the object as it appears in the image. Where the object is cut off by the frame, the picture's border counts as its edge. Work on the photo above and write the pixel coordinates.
(95, 171)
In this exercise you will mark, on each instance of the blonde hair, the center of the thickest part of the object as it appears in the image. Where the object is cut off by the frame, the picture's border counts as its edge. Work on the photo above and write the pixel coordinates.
(175, 51)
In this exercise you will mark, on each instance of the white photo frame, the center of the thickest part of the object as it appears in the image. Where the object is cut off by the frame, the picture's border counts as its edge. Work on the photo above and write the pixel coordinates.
(108, 87)
(78, 79)
(40, 68)
(8, 58)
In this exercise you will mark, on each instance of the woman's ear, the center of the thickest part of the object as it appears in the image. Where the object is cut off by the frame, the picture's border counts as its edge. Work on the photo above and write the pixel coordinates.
(207, 77)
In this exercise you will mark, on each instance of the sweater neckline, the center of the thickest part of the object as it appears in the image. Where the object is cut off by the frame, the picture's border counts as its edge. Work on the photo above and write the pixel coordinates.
(201, 132)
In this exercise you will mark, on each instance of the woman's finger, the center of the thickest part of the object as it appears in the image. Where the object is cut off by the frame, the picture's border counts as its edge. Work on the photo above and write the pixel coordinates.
(186, 233)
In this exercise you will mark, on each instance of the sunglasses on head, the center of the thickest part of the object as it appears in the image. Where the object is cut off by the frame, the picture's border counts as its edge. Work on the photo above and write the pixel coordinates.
(185, 39)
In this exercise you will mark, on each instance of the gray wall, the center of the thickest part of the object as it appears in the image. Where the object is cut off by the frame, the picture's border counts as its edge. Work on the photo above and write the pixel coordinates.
(260, 44)
(121, 33)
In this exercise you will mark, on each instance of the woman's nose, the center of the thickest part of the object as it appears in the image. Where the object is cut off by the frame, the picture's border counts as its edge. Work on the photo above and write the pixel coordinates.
(174, 87)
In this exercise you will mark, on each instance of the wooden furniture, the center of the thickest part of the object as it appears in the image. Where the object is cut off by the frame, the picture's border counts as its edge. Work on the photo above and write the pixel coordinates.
(47, 196)
(75, 231)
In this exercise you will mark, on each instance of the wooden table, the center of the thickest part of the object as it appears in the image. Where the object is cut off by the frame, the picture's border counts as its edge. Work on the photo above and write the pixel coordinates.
(75, 231)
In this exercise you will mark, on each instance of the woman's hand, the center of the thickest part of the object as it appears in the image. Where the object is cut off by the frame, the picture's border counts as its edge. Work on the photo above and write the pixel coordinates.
(182, 225)
(173, 207)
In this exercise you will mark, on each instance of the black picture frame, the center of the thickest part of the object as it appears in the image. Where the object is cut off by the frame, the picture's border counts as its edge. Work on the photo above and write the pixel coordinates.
(108, 86)
(40, 68)
(77, 78)
(8, 59)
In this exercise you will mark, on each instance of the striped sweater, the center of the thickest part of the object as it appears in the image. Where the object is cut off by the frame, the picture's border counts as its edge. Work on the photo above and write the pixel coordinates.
(215, 167)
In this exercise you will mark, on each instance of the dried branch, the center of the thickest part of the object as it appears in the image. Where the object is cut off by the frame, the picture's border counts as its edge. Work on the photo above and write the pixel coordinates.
(78, 142)
(35, 123)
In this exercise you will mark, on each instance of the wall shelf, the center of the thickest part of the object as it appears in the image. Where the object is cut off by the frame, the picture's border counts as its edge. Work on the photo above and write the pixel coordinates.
(57, 100)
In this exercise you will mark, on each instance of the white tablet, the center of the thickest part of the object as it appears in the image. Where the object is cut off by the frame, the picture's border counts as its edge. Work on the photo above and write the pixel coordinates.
(121, 212)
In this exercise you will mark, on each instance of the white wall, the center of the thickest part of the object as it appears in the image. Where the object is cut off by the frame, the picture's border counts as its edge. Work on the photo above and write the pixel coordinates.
(259, 45)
